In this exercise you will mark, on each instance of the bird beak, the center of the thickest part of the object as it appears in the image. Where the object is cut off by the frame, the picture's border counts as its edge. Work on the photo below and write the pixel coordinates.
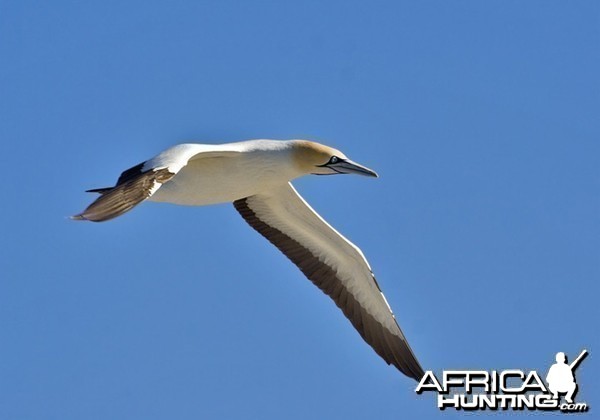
(346, 166)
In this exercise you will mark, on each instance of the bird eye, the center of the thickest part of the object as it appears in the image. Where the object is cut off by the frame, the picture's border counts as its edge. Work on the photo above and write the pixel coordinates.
(334, 159)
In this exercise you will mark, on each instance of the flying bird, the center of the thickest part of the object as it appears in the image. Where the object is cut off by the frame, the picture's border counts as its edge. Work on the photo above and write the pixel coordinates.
(255, 176)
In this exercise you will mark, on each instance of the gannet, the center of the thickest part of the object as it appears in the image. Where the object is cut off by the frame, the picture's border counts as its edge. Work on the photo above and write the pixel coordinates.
(255, 176)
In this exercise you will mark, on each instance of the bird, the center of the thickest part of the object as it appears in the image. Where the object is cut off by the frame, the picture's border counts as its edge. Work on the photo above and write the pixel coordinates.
(256, 175)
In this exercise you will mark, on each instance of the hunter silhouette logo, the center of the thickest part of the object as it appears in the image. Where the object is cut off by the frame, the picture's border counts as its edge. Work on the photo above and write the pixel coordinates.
(511, 389)
(561, 377)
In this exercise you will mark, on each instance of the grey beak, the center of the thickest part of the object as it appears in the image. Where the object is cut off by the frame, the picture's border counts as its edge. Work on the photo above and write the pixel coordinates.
(346, 166)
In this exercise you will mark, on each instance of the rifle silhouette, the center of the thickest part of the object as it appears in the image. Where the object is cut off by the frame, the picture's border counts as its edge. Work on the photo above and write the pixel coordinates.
(579, 359)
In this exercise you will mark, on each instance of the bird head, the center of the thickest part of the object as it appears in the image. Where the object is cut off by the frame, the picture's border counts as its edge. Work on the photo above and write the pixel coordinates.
(318, 159)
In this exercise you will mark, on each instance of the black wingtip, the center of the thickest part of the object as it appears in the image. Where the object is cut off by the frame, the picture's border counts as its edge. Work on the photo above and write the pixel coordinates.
(100, 190)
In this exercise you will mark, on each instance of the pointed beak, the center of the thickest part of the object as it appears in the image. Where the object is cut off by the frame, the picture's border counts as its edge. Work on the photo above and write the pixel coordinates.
(346, 166)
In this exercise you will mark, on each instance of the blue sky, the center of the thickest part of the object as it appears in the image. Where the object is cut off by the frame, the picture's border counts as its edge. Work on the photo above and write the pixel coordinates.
(482, 119)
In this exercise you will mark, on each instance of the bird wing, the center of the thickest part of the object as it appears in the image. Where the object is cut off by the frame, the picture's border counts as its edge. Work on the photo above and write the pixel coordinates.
(138, 183)
(335, 265)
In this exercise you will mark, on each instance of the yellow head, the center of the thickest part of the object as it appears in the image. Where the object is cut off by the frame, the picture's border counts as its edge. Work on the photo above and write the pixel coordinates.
(318, 159)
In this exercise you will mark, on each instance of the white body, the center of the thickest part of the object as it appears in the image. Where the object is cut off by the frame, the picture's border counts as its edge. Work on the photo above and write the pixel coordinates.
(224, 174)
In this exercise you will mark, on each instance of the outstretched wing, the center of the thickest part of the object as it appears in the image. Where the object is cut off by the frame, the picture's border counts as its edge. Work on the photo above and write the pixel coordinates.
(335, 265)
(138, 183)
